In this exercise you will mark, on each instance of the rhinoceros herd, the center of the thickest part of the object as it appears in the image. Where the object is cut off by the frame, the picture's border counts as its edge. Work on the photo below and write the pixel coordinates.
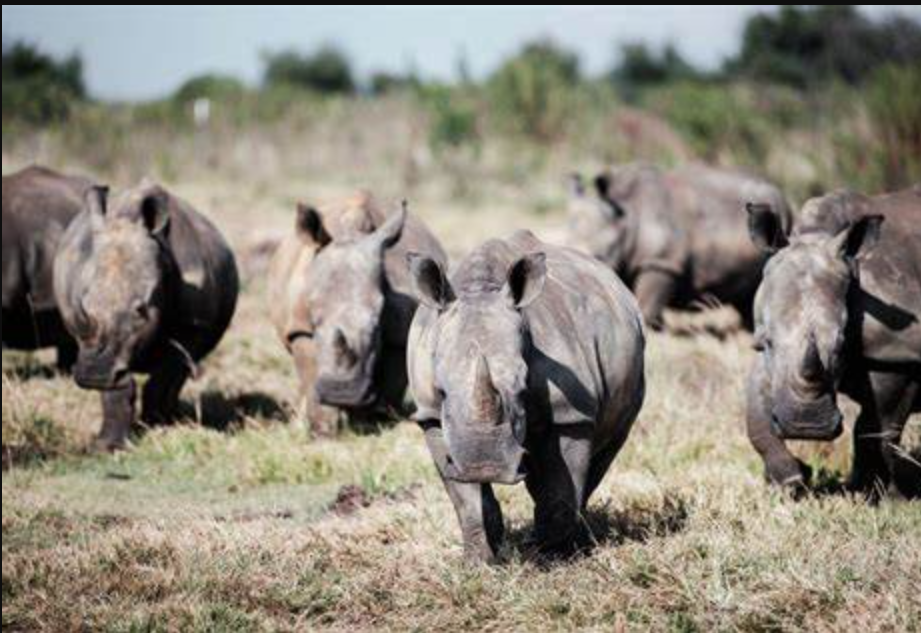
(525, 360)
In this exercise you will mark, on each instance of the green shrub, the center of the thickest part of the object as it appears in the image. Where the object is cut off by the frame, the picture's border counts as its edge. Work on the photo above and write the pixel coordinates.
(38, 89)
(453, 118)
(531, 94)
(715, 119)
(327, 70)
(894, 105)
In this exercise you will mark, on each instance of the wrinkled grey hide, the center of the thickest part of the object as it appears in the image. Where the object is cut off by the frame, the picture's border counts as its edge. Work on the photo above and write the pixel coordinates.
(146, 285)
(838, 313)
(38, 206)
(677, 238)
(527, 366)
(342, 304)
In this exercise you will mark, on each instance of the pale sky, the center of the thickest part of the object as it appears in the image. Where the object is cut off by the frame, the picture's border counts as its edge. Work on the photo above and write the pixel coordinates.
(148, 51)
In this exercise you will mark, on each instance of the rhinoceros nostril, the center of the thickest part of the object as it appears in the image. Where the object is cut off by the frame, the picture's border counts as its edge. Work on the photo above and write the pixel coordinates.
(345, 356)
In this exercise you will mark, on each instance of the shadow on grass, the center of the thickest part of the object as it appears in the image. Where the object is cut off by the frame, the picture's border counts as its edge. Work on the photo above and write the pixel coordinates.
(31, 370)
(605, 526)
(219, 412)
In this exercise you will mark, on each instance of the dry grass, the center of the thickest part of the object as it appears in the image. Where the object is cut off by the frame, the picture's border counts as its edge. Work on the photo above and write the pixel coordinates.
(224, 522)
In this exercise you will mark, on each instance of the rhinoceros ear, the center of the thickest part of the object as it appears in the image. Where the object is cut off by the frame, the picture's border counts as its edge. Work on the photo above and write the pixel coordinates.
(857, 238)
(603, 185)
(766, 228)
(309, 226)
(155, 211)
(96, 200)
(526, 280)
(389, 234)
(430, 285)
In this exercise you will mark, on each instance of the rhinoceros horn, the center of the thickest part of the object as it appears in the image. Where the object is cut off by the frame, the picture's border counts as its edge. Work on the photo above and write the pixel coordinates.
(485, 397)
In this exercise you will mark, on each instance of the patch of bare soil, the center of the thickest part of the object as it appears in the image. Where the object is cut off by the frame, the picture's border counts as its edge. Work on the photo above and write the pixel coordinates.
(353, 499)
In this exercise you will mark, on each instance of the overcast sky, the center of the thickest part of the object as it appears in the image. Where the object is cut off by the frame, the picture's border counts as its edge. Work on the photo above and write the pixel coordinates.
(144, 52)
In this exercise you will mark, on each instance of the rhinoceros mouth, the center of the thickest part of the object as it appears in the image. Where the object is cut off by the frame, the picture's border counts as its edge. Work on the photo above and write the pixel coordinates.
(808, 432)
(346, 394)
(499, 474)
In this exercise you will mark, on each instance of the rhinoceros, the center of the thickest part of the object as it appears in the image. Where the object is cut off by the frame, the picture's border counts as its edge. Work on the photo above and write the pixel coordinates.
(38, 206)
(838, 313)
(147, 285)
(677, 238)
(528, 365)
(342, 305)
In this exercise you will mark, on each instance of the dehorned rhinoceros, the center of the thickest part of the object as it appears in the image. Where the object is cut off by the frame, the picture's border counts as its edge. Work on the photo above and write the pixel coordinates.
(677, 238)
(342, 305)
(38, 206)
(838, 313)
(147, 285)
(528, 365)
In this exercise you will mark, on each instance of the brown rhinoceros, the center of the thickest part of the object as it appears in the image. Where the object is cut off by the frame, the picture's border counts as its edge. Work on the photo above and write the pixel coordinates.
(146, 285)
(839, 312)
(675, 237)
(38, 206)
(342, 306)
(528, 365)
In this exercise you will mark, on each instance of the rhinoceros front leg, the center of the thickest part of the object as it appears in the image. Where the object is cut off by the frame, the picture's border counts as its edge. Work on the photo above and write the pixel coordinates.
(781, 467)
(323, 421)
(118, 418)
(879, 460)
(558, 481)
(655, 290)
(478, 511)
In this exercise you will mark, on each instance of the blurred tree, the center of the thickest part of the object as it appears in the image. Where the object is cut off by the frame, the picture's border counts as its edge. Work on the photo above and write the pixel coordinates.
(801, 46)
(640, 66)
(326, 70)
(530, 94)
(210, 86)
(384, 82)
(37, 88)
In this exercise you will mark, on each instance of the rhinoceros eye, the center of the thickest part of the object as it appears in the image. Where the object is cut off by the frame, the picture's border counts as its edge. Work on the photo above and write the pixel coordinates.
(762, 343)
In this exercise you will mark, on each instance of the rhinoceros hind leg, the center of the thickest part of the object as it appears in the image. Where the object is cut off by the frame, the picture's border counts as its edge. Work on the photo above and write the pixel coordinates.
(655, 291)
(67, 356)
(161, 394)
(879, 460)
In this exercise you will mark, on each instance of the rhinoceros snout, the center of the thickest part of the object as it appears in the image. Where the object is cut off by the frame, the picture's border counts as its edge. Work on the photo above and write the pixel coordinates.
(809, 431)
(354, 394)
(99, 371)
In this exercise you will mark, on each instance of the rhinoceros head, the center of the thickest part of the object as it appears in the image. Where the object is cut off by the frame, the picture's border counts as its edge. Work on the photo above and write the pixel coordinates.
(123, 296)
(480, 367)
(597, 222)
(345, 293)
(801, 314)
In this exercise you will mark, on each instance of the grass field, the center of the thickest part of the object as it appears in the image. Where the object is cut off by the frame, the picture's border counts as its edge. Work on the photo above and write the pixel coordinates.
(233, 520)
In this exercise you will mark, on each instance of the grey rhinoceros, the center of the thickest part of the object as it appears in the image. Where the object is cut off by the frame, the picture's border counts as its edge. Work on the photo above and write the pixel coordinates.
(678, 238)
(38, 206)
(839, 312)
(342, 304)
(147, 285)
(528, 365)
